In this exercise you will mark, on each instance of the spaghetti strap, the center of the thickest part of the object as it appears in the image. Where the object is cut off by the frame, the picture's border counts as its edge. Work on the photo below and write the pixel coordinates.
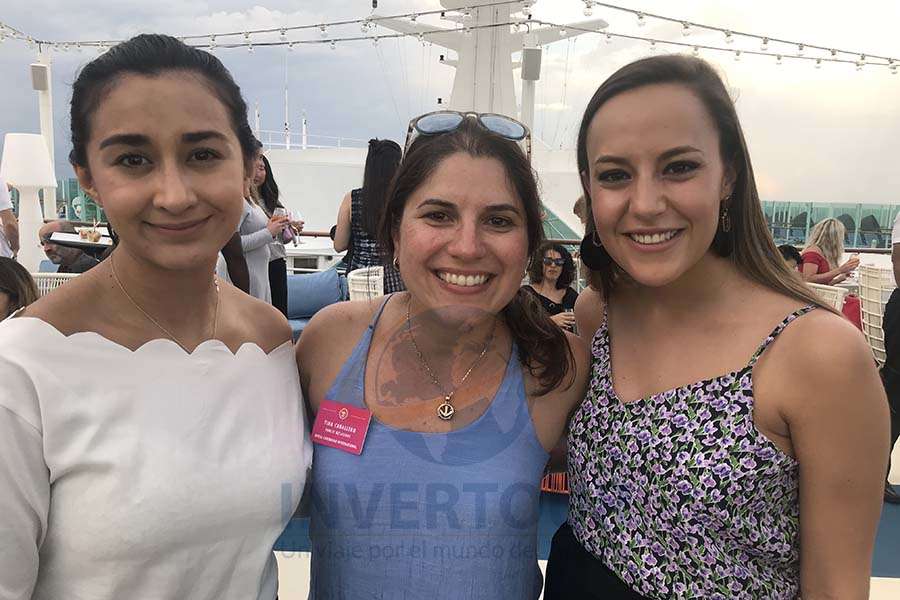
(775, 332)
(380, 310)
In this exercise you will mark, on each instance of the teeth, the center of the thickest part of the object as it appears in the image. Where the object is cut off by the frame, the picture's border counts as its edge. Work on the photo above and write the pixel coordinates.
(655, 238)
(463, 280)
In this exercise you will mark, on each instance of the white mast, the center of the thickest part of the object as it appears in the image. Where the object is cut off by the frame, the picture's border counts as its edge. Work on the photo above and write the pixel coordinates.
(484, 68)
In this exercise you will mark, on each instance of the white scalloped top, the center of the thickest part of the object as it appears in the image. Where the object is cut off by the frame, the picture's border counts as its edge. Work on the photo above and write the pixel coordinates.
(145, 473)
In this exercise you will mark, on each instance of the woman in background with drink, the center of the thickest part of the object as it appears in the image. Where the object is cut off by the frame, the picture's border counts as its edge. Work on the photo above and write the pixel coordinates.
(551, 272)
(267, 193)
(820, 262)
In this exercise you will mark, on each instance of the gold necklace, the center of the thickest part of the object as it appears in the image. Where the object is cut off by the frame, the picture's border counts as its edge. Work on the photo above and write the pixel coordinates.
(112, 264)
(445, 411)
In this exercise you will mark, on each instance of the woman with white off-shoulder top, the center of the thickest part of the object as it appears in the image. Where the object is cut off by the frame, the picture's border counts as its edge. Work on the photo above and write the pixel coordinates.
(138, 459)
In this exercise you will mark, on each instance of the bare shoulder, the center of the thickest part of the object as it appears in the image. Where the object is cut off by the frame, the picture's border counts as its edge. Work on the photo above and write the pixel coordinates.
(334, 327)
(58, 307)
(255, 320)
(821, 359)
(589, 312)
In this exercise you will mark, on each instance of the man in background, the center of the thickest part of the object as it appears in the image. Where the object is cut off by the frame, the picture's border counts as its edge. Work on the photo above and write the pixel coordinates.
(890, 372)
(9, 226)
(70, 260)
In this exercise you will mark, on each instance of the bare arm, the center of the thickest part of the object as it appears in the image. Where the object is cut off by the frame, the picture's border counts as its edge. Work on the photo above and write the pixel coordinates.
(809, 274)
(10, 229)
(342, 231)
(837, 415)
(237, 264)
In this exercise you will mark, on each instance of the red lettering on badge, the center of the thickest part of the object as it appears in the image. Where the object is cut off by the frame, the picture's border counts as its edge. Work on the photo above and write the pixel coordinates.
(341, 426)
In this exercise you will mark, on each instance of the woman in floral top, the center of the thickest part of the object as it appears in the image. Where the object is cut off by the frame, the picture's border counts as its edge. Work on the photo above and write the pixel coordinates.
(722, 451)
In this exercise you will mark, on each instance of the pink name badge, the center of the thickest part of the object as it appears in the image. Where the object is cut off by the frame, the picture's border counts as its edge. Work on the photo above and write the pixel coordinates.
(341, 426)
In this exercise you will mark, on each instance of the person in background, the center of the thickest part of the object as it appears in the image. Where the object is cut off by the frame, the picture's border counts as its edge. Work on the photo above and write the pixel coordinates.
(361, 210)
(580, 211)
(821, 257)
(550, 272)
(70, 260)
(267, 194)
(152, 435)
(791, 255)
(9, 226)
(721, 451)
(17, 288)
(820, 263)
(462, 456)
(890, 371)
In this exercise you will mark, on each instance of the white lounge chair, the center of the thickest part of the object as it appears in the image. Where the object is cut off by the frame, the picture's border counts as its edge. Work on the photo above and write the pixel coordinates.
(875, 287)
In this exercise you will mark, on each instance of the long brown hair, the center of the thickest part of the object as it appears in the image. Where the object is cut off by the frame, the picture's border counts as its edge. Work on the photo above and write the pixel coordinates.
(16, 282)
(543, 348)
(749, 244)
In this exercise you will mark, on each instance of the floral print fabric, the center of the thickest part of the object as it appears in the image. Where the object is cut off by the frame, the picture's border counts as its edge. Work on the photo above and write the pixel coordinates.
(678, 493)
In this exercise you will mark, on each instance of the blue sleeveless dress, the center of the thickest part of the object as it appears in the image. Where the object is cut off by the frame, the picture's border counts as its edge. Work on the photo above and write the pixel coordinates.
(429, 516)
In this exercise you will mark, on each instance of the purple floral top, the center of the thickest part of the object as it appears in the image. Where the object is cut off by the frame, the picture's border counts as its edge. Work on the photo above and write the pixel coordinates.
(679, 494)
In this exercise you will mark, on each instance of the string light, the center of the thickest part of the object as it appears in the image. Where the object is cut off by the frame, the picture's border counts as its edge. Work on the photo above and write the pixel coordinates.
(250, 48)
(333, 45)
(696, 51)
(608, 39)
(728, 38)
(818, 63)
(800, 49)
(323, 30)
(283, 33)
(737, 56)
(652, 46)
(685, 29)
(212, 42)
(290, 46)
(640, 19)
(765, 44)
(588, 8)
(413, 17)
(562, 32)
(778, 59)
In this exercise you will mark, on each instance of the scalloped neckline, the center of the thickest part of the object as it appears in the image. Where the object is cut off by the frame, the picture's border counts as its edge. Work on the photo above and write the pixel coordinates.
(202, 346)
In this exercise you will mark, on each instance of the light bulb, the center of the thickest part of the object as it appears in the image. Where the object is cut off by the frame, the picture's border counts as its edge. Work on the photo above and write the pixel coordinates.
(290, 46)
(332, 45)
(728, 37)
(818, 63)
(640, 19)
(364, 26)
(696, 51)
(562, 32)
(323, 31)
(247, 36)
(737, 56)
(413, 17)
(800, 49)
(778, 59)
(652, 46)
(685, 29)
(283, 33)
(250, 48)
(588, 9)
(765, 44)
(608, 39)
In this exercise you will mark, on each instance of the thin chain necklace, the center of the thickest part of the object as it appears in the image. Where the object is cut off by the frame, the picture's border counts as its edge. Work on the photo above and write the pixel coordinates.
(112, 263)
(446, 411)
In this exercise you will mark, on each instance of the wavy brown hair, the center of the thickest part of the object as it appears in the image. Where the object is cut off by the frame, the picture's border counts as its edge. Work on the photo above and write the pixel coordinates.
(749, 244)
(536, 265)
(543, 348)
(16, 282)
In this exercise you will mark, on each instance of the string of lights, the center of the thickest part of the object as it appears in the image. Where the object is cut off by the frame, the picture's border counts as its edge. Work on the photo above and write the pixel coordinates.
(687, 27)
(794, 51)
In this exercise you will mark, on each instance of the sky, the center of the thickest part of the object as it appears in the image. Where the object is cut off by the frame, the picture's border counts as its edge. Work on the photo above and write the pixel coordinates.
(827, 135)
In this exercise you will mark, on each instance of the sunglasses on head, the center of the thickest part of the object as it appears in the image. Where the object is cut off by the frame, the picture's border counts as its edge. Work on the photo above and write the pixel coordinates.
(445, 121)
(553, 261)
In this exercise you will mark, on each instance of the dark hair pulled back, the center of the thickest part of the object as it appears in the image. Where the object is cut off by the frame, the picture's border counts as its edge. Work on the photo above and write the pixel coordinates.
(382, 161)
(152, 55)
(543, 348)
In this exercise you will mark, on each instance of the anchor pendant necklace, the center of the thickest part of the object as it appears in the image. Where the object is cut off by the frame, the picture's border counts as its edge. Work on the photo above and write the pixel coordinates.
(445, 411)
